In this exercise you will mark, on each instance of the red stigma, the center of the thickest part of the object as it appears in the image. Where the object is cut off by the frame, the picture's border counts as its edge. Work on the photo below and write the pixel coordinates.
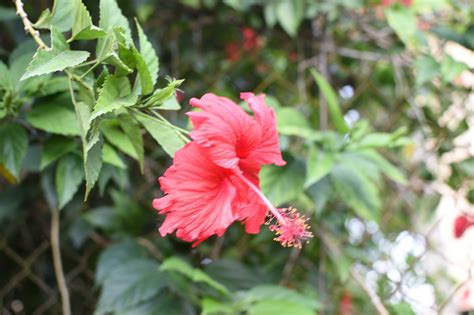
(293, 231)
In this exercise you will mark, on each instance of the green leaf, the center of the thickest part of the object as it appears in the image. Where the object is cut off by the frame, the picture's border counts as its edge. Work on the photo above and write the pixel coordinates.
(5, 77)
(340, 261)
(272, 299)
(269, 12)
(47, 185)
(59, 17)
(130, 212)
(107, 51)
(283, 184)
(44, 20)
(117, 175)
(83, 114)
(292, 123)
(212, 307)
(402, 309)
(58, 58)
(122, 252)
(290, 14)
(69, 175)
(149, 54)
(144, 83)
(92, 165)
(103, 218)
(404, 22)
(115, 94)
(164, 303)
(464, 37)
(62, 12)
(130, 283)
(31, 162)
(273, 306)
(54, 85)
(13, 145)
(170, 104)
(319, 164)
(356, 190)
(82, 28)
(133, 132)
(332, 101)
(111, 16)
(385, 166)
(114, 135)
(426, 69)
(19, 60)
(110, 156)
(164, 134)
(451, 68)
(162, 95)
(55, 117)
(320, 192)
(235, 275)
(54, 148)
(196, 275)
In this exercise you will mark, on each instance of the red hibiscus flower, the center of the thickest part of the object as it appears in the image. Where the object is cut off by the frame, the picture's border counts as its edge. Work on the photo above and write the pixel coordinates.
(213, 181)
(387, 3)
(461, 224)
(232, 51)
(251, 39)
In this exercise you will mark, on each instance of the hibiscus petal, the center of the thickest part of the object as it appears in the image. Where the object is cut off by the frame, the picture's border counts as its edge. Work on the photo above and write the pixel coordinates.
(268, 150)
(224, 129)
(199, 197)
(251, 210)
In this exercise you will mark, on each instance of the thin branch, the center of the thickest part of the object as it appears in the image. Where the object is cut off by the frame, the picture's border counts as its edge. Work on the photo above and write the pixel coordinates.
(290, 264)
(451, 295)
(150, 247)
(28, 26)
(58, 266)
(359, 54)
(322, 61)
(217, 248)
(374, 298)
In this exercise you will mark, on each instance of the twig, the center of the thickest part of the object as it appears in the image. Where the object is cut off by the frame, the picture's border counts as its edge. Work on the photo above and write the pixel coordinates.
(451, 295)
(28, 26)
(374, 298)
(150, 247)
(216, 249)
(359, 54)
(290, 264)
(323, 69)
(58, 266)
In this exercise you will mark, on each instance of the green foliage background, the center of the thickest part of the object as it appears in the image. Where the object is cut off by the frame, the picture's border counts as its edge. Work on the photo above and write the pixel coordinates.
(87, 126)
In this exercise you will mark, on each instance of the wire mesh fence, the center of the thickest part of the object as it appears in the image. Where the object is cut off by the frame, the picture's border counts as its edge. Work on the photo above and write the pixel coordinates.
(28, 281)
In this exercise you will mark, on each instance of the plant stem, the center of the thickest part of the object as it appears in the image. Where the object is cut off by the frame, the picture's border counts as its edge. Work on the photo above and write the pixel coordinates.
(89, 70)
(290, 264)
(88, 63)
(159, 116)
(28, 26)
(58, 266)
(75, 78)
(267, 202)
(374, 298)
(182, 133)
